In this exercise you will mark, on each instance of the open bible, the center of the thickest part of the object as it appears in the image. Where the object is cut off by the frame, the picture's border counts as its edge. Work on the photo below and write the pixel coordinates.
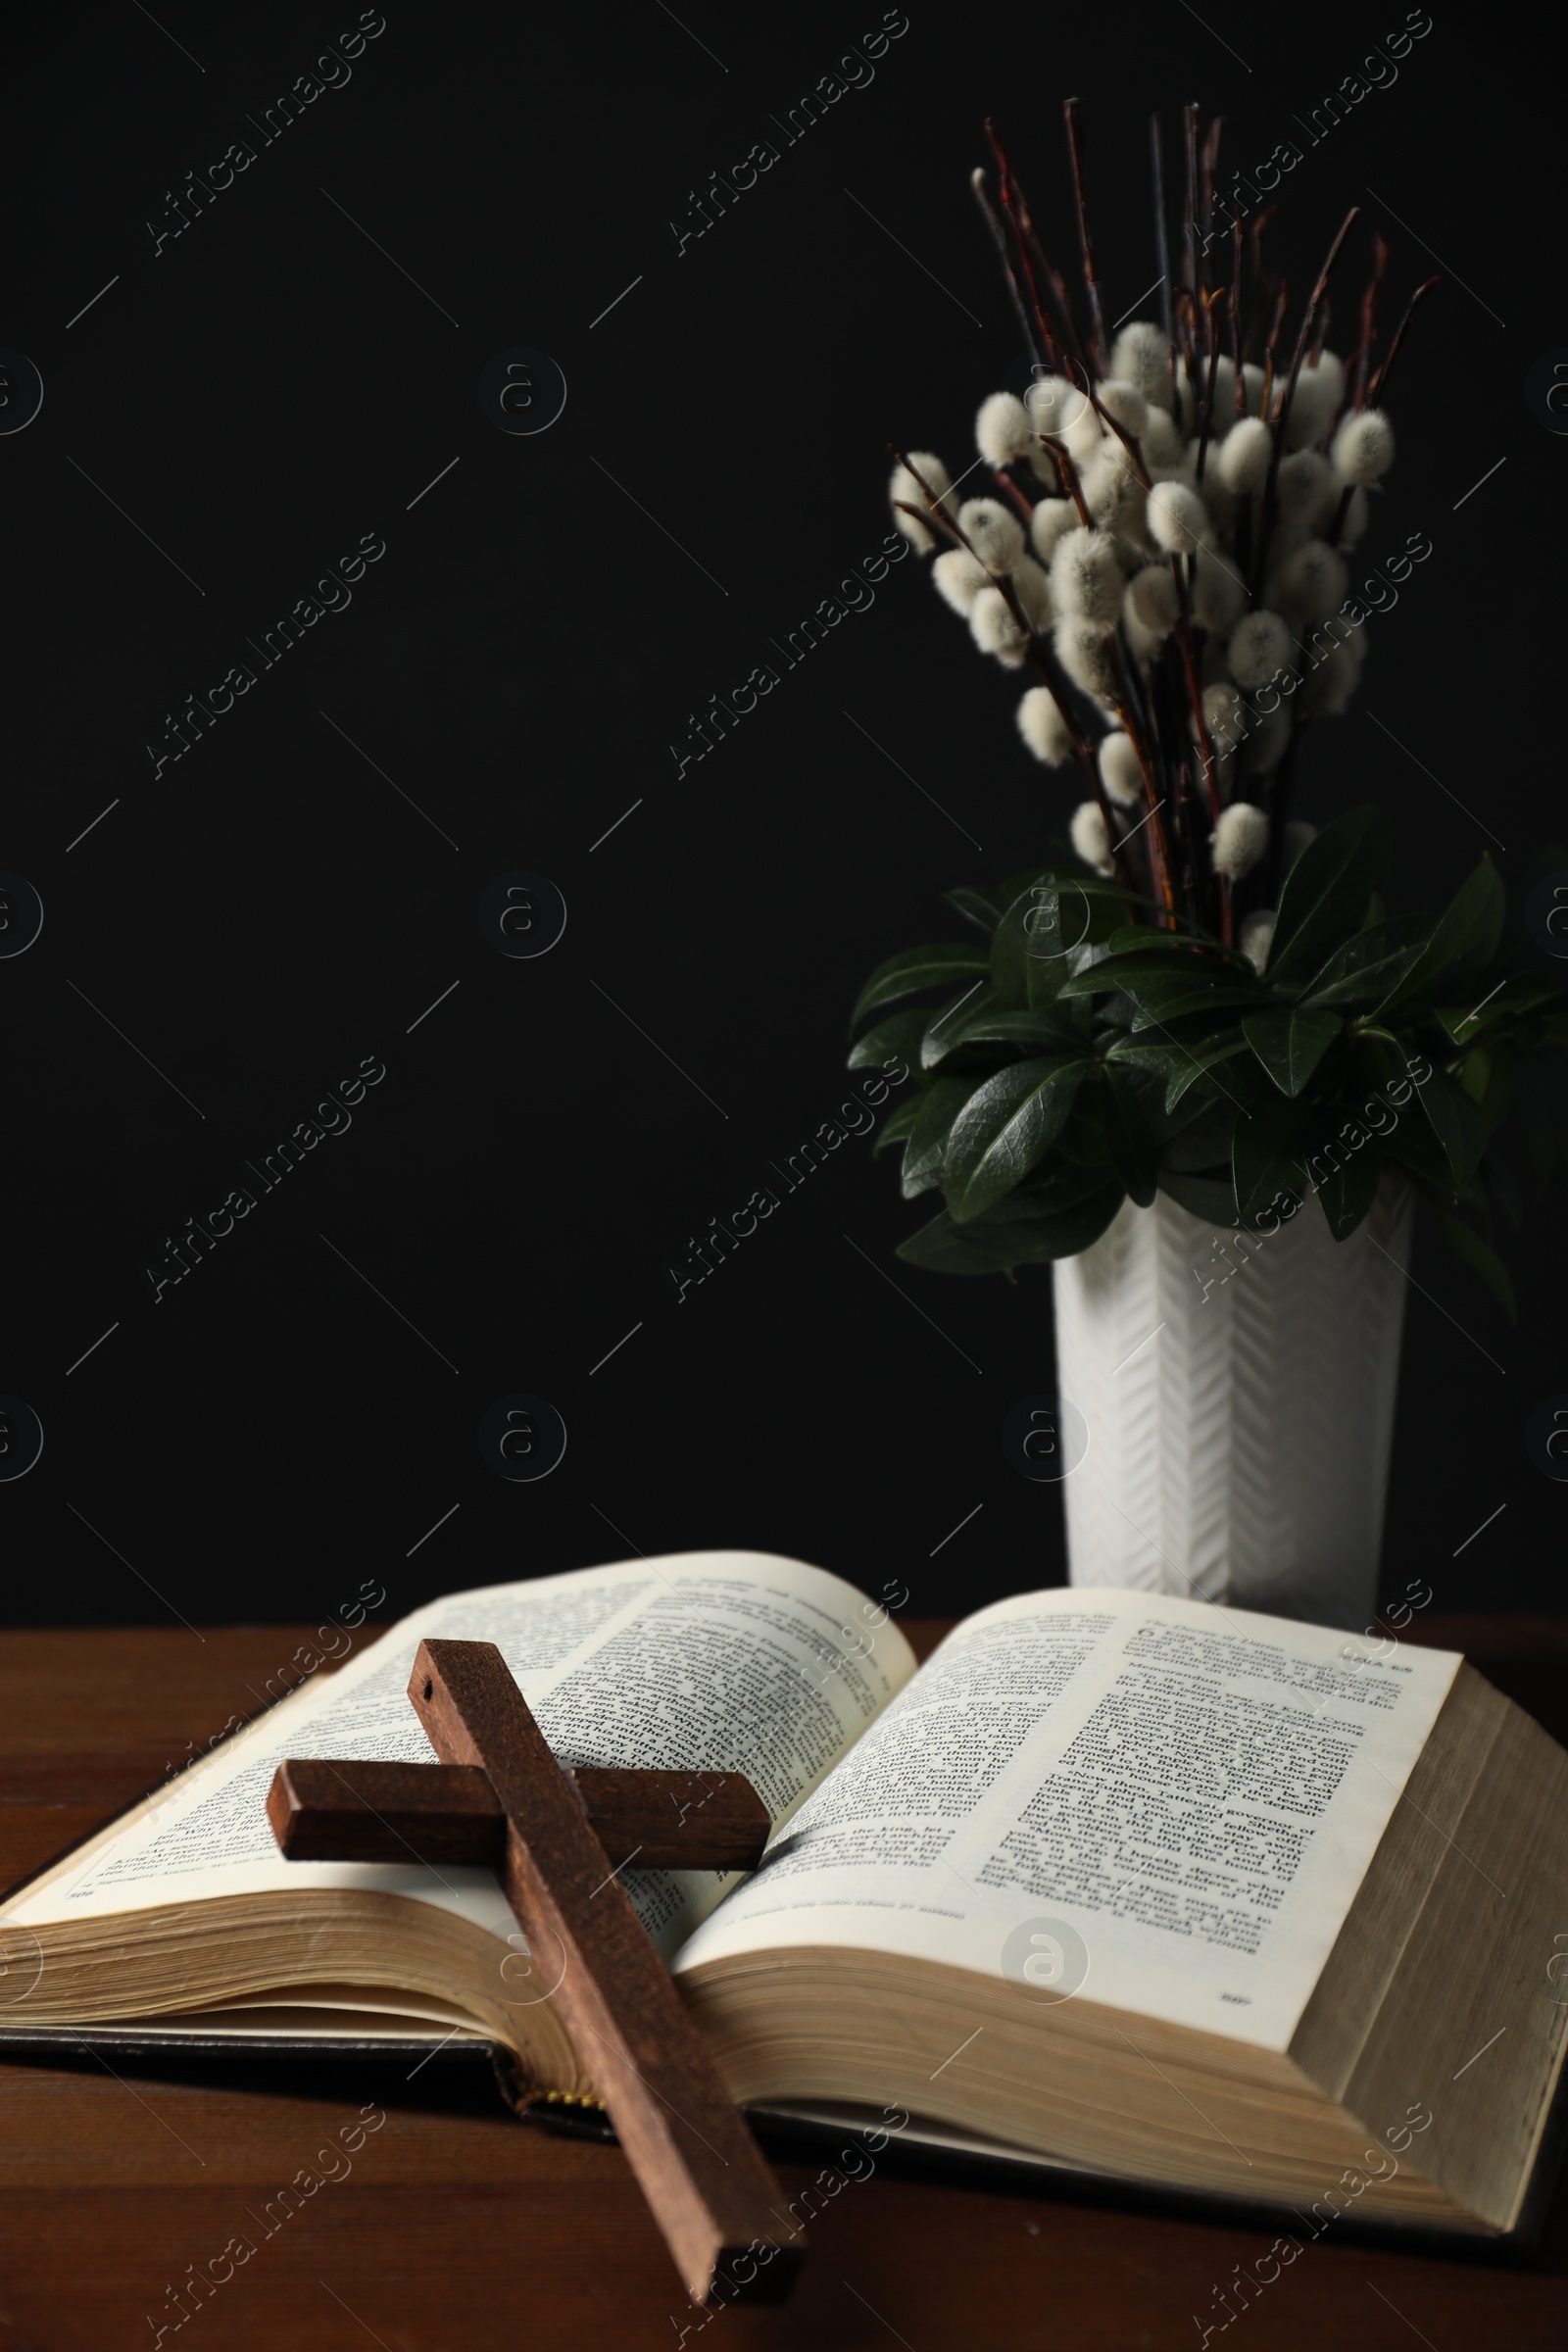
(1161, 1891)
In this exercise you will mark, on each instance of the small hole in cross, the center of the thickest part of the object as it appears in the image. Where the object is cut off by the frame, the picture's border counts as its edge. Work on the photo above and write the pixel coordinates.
(429, 1689)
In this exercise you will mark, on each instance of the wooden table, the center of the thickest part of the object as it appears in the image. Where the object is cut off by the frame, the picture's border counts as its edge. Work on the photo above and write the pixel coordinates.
(459, 2231)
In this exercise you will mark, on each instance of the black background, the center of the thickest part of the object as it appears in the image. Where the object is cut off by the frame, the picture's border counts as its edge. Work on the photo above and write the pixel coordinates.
(268, 910)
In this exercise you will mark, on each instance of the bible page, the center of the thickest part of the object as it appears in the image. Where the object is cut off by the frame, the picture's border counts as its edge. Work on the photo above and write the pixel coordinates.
(1169, 1803)
(718, 1661)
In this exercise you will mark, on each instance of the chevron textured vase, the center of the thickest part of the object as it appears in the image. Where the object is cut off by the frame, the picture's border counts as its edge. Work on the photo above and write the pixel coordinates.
(1239, 1407)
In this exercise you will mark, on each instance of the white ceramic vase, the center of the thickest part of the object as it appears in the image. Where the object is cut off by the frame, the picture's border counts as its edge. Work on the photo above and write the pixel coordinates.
(1237, 1404)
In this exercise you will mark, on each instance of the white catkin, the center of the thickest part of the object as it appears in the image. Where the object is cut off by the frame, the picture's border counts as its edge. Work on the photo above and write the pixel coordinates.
(1312, 583)
(1265, 745)
(1258, 937)
(1051, 518)
(1112, 492)
(1003, 431)
(959, 578)
(1225, 716)
(1089, 838)
(1119, 771)
(1260, 649)
(1219, 592)
(1042, 727)
(1243, 455)
(1126, 401)
(1033, 591)
(1084, 575)
(1307, 491)
(1178, 519)
(994, 628)
(1057, 407)
(904, 491)
(1331, 683)
(1150, 601)
(1083, 648)
(994, 531)
(1356, 516)
(1316, 398)
(1363, 447)
(1240, 839)
(1141, 356)
(1163, 444)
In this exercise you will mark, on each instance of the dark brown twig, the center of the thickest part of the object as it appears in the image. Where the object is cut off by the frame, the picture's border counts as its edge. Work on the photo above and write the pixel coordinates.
(1163, 238)
(1262, 281)
(1210, 161)
(1015, 204)
(1271, 347)
(1067, 476)
(1282, 414)
(1097, 320)
(1159, 846)
(1236, 315)
(999, 237)
(1205, 744)
(1190, 120)
(1369, 322)
(1012, 492)
(1211, 303)
(1375, 388)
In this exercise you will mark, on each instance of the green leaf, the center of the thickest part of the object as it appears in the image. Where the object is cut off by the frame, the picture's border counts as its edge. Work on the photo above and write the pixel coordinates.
(1149, 1053)
(1141, 938)
(1476, 908)
(1414, 1145)
(1469, 1245)
(1033, 941)
(1157, 1006)
(1205, 1194)
(978, 906)
(1366, 970)
(1035, 1032)
(1133, 1151)
(1521, 993)
(1104, 903)
(1290, 1045)
(1327, 889)
(1456, 1122)
(917, 968)
(899, 1036)
(1165, 968)
(1349, 1189)
(939, 1034)
(1266, 1153)
(1005, 1129)
(936, 1112)
(1192, 1063)
(895, 1127)
(996, 1242)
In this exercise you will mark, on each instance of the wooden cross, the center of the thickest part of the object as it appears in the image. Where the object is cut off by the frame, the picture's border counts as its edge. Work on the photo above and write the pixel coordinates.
(558, 1839)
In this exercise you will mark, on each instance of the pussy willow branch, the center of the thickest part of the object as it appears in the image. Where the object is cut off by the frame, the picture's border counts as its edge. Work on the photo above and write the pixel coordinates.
(1375, 388)
(1045, 660)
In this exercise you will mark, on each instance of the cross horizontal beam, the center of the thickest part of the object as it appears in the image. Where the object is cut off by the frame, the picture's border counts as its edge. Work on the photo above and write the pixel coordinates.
(449, 1813)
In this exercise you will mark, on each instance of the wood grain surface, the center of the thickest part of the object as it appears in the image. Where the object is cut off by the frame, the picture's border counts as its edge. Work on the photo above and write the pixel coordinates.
(346, 1811)
(704, 2178)
(451, 2227)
